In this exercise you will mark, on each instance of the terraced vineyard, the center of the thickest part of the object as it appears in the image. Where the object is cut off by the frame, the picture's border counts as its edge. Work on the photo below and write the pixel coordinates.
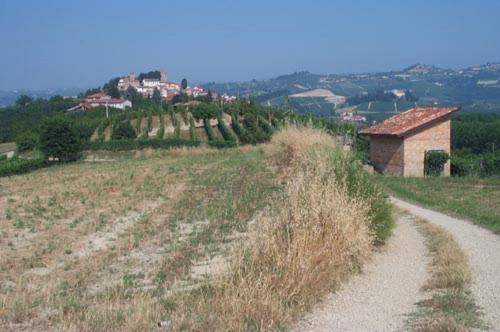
(223, 130)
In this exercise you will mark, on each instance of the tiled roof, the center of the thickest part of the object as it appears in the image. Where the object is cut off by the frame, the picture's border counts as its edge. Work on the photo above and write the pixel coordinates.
(400, 124)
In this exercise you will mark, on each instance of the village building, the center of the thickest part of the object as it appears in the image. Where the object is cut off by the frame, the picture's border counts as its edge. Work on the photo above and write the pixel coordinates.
(129, 81)
(100, 99)
(350, 116)
(398, 145)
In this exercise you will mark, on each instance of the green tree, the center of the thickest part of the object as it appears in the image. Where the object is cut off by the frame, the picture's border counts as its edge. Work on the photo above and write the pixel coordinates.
(23, 100)
(111, 88)
(184, 84)
(26, 141)
(56, 99)
(123, 130)
(60, 140)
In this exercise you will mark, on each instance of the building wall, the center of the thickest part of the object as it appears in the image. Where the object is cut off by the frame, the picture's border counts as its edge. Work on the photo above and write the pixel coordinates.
(387, 154)
(435, 136)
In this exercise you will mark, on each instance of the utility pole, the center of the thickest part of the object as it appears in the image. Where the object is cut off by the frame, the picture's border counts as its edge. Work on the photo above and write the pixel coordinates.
(107, 111)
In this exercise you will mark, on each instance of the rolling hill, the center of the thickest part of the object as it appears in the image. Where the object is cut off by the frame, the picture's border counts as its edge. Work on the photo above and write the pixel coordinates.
(475, 89)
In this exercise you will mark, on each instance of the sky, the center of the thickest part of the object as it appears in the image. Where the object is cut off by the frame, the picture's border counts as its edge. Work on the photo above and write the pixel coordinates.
(68, 44)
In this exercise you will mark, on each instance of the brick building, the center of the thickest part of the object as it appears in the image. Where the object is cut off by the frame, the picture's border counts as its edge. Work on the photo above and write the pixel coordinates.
(398, 145)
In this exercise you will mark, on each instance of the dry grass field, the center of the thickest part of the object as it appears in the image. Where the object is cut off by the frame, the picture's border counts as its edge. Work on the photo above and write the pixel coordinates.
(199, 239)
(94, 245)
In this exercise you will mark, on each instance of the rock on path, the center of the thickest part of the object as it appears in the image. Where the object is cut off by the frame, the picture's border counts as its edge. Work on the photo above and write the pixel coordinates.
(483, 249)
(381, 296)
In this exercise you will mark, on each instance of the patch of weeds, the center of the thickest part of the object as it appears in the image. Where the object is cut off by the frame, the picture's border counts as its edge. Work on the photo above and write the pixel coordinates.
(450, 307)
(19, 224)
(131, 280)
(75, 222)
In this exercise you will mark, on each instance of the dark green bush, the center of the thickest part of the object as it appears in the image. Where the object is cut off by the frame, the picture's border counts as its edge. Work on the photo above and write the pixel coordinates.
(210, 131)
(26, 141)
(123, 130)
(20, 166)
(226, 133)
(192, 130)
(434, 162)
(60, 140)
(161, 131)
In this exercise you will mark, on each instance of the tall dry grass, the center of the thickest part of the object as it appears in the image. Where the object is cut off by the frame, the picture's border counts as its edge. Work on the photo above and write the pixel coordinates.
(317, 235)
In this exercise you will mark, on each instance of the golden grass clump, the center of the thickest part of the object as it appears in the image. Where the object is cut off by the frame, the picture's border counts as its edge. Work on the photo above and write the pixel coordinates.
(449, 264)
(315, 237)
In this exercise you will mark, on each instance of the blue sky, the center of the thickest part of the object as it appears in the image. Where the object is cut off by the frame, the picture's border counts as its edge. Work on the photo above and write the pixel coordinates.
(53, 44)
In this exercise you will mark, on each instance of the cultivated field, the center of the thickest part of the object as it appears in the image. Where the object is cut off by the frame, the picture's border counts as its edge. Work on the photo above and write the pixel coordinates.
(91, 244)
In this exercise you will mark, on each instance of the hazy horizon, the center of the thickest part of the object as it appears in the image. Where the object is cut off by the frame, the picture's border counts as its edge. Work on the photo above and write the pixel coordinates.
(55, 44)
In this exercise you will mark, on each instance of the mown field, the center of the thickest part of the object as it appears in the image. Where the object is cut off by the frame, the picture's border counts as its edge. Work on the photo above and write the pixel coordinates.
(477, 199)
(192, 238)
(92, 248)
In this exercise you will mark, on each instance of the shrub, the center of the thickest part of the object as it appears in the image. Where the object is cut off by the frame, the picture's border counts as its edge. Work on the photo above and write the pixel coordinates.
(139, 122)
(161, 131)
(26, 141)
(123, 130)
(192, 130)
(150, 121)
(60, 140)
(434, 162)
(145, 133)
(20, 166)
(265, 125)
(226, 133)
(239, 130)
(177, 130)
(101, 129)
(210, 131)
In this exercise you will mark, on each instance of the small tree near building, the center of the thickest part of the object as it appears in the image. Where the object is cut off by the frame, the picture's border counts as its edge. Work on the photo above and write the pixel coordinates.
(434, 162)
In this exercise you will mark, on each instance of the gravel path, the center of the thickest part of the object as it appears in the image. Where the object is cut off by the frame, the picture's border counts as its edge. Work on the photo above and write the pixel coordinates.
(379, 298)
(483, 249)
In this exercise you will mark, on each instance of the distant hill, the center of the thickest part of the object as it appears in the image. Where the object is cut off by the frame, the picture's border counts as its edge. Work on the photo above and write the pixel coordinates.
(475, 89)
(8, 98)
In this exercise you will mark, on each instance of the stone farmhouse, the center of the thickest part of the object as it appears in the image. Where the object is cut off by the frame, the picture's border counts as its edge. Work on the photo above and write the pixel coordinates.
(398, 145)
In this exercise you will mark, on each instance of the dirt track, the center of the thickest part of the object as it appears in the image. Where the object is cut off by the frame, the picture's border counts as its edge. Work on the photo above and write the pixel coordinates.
(483, 250)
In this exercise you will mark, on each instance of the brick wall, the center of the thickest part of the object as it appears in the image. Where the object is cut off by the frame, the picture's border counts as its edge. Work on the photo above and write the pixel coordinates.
(387, 154)
(435, 136)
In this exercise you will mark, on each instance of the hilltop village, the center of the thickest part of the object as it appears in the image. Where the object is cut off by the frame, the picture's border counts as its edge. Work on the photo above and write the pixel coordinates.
(147, 87)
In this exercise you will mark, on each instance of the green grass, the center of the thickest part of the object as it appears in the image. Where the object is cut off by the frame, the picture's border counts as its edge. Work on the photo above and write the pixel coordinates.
(472, 198)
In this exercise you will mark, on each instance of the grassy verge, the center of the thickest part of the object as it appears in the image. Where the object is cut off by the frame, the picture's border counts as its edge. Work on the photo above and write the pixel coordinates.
(316, 233)
(451, 306)
(468, 197)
